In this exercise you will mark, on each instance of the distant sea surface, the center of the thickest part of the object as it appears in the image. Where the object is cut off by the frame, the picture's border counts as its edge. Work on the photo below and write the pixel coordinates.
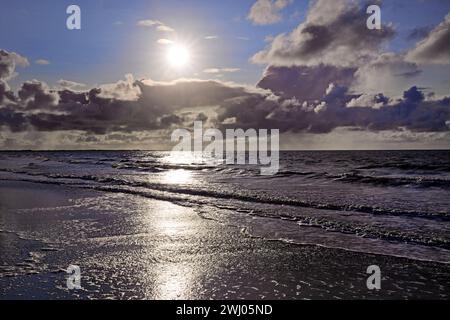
(393, 203)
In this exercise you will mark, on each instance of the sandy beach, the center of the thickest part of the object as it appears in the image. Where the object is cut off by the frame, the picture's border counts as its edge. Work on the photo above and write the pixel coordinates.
(129, 246)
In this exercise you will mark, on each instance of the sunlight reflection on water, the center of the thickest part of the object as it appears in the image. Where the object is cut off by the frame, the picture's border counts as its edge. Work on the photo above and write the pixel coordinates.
(171, 224)
(174, 281)
(179, 176)
(181, 157)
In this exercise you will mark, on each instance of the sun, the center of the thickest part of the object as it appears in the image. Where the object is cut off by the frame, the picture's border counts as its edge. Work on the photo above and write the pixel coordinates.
(178, 56)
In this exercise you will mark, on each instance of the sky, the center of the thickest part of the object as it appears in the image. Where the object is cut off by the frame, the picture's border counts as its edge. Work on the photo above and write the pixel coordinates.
(309, 68)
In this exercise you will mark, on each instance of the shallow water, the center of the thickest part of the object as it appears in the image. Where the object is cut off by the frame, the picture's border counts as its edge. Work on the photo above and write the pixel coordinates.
(390, 202)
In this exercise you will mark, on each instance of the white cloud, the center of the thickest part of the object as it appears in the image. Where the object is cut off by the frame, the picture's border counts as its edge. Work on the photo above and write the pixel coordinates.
(8, 63)
(332, 34)
(165, 41)
(265, 12)
(164, 28)
(220, 70)
(435, 48)
(124, 90)
(149, 23)
(42, 62)
(388, 73)
(67, 84)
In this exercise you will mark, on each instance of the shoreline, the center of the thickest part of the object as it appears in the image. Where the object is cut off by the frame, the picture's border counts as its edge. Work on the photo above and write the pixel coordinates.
(130, 247)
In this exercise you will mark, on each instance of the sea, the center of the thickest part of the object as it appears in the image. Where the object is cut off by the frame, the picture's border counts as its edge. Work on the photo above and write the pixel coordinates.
(394, 203)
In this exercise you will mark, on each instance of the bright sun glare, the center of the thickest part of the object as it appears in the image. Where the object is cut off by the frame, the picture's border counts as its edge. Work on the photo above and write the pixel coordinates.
(178, 56)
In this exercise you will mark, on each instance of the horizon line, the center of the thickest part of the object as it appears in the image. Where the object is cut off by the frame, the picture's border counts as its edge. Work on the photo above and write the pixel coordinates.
(164, 150)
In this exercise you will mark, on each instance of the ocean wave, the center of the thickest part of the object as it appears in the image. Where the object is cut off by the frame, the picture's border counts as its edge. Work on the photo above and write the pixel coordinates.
(240, 195)
(242, 204)
(445, 167)
(416, 181)
(290, 173)
(367, 231)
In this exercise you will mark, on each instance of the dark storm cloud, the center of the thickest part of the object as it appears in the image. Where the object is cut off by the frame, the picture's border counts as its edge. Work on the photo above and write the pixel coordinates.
(67, 96)
(334, 32)
(156, 107)
(182, 94)
(411, 112)
(126, 106)
(303, 82)
(201, 117)
(36, 95)
(170, 119)
(13, 120)
(435, 48)
(3, 89)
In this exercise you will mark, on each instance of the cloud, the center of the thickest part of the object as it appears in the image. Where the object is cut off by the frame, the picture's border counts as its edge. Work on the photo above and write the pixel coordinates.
(125, 106)
(388, 72)
(317, 100)
(435, 48)
(123, 90)
(304, 82)
(160, 26)
(412, 112)
(35, 95)
(220, 70)
(164, 28)
(148, 23)
(8, 62)
(212, 70)
(67, 84)
(369, 100)
(135, 106)
(311, 100)
(213, 37)
(6, 95)
(165, 41)
(334, 33)
(42, 62)
(264, 12)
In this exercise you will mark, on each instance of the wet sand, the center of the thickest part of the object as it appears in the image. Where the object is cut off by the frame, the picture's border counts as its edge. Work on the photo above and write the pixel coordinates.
(131, 247)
